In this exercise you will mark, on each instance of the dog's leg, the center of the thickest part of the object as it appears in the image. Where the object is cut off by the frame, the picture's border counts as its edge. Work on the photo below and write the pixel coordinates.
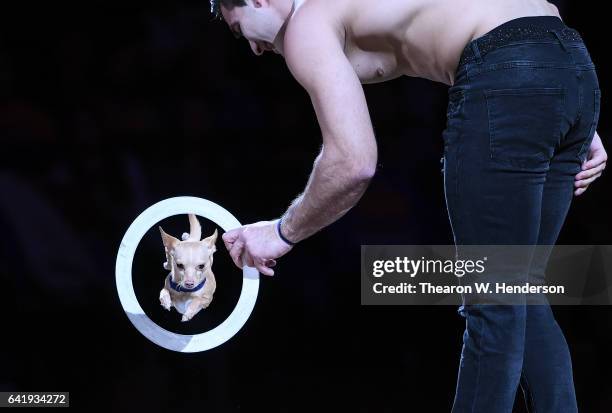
(164, 299)
(195, 306)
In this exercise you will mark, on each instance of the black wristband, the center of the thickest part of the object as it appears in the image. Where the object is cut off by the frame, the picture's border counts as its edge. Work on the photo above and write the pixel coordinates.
(280, 233)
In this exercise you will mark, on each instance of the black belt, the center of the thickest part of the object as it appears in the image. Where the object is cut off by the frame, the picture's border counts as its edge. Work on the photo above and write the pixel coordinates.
(524, 28)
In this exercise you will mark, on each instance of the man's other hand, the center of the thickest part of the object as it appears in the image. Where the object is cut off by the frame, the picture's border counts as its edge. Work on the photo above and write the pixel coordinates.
(593, 167)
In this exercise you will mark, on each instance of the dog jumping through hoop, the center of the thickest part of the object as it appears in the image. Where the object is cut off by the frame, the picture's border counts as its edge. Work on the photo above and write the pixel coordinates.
(190, 285)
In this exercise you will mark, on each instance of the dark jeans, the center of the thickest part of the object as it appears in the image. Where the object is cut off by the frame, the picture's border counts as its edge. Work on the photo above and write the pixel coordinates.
(520, 120)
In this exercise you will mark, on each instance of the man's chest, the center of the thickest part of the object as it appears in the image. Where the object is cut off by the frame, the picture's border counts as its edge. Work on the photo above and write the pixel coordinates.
(373, 66)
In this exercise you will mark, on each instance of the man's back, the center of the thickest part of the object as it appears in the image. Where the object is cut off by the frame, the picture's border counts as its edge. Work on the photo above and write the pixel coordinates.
(420, 38)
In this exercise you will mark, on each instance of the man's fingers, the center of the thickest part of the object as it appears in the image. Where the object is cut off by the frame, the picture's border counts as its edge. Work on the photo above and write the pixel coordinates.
(230, 237)
(590, 172)
(598, 157)
(263, 269)
(262, 265)
(587, 179)
(580, 191)
(585, 182)
(247, 259)
(241, 251)
(236, 253)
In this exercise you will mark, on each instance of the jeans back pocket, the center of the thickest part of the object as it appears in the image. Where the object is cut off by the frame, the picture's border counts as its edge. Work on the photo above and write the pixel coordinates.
(524, 125)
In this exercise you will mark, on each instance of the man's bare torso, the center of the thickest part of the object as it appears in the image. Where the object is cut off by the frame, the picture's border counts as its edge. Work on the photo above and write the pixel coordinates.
(386, 39)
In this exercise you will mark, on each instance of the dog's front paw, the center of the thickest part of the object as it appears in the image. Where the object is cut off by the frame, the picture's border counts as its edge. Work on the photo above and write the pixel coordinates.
(164, 299)
(194, 307)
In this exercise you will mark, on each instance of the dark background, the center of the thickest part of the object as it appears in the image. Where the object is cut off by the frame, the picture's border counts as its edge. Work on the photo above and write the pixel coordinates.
(107, 108)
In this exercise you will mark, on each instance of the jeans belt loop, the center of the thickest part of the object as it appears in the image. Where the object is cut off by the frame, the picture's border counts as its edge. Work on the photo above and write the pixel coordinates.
(560, 38)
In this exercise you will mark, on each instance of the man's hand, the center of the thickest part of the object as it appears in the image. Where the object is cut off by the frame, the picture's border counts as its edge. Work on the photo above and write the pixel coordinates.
(256, 245)
(593, 167)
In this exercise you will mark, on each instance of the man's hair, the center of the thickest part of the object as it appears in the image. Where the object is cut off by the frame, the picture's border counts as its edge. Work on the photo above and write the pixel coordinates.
(215, 5)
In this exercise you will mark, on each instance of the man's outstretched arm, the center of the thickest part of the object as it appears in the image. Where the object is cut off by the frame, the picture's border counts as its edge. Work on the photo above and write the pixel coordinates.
(347, 160)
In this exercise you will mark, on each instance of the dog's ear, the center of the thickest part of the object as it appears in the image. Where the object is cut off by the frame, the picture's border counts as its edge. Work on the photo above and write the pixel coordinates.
(169, 241)
(210, 241)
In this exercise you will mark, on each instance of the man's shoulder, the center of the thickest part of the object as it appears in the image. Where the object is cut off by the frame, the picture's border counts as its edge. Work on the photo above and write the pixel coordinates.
(311, 19)
(314, 44)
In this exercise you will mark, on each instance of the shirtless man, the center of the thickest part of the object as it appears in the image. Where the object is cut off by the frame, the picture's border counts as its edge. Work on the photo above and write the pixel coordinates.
(519, 144)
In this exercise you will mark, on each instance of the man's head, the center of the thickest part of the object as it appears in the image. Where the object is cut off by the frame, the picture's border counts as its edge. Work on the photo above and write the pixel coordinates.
(258, 21)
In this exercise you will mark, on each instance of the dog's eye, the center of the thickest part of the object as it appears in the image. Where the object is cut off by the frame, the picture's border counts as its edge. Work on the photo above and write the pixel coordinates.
(181, 266)
(201, 267)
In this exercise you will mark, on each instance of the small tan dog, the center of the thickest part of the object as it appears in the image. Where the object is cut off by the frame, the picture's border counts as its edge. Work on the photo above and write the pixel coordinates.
(191, 283)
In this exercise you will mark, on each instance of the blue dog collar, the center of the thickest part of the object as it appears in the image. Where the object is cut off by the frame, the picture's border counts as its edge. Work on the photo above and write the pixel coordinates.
(180, 289)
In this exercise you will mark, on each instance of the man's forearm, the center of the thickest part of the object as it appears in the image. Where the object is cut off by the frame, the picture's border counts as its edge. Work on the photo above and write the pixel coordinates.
(334, 187)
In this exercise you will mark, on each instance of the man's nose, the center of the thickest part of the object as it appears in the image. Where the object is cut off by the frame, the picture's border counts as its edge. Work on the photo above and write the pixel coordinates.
(255, 48)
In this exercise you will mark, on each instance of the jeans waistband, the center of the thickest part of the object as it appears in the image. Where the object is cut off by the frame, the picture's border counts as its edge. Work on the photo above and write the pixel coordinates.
(523, 28)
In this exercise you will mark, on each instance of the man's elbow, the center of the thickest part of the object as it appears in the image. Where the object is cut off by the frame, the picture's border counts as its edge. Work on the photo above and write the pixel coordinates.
(367, 172)
(356, 167)
(363, 172)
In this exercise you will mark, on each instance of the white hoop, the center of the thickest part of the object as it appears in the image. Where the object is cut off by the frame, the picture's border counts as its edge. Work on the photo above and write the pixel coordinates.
(125, 288)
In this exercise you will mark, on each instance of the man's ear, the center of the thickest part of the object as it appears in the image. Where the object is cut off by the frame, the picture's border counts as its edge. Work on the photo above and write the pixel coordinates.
(210, 241)
(169, 241)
